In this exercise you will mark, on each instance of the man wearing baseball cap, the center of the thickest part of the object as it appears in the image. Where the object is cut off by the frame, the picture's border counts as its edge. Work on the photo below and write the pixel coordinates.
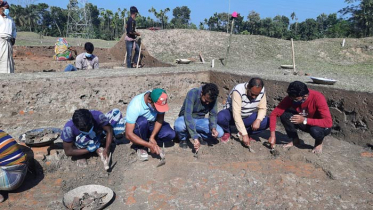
(145, 125)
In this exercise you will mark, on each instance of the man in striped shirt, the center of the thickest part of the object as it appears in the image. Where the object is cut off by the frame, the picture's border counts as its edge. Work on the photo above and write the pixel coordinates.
(13, 167)
(245, 108)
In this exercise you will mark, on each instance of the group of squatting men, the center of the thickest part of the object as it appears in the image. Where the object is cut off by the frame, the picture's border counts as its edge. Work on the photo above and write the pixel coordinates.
(245, 108)
(91, 131)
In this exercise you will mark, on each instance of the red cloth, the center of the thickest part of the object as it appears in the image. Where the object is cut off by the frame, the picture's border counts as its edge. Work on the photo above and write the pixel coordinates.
(318, 110)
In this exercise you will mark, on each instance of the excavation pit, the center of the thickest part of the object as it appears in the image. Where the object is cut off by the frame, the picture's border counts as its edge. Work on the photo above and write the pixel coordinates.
(225, 175)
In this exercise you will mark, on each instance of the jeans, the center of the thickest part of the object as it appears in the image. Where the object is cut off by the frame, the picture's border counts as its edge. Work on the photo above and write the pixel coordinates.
(129, 47)
(144, 129)
(225, 120)
(70, 67)
(202, 128)
(317, 133)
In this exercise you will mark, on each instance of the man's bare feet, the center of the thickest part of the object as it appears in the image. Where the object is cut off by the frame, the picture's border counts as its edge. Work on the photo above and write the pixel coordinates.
(1, 198)
(292, 143)
(288, 145)
(317, 149)
(82, 163)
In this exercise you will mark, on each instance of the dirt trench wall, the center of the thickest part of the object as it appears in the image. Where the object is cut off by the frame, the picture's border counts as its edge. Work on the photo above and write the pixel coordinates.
(33, 103)
(352, 112)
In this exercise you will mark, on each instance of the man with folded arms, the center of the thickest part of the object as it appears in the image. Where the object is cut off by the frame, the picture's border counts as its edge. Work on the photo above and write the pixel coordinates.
(303, 109)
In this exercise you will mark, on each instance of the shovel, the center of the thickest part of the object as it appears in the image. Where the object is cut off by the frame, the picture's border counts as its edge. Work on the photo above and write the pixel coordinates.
(163, 157)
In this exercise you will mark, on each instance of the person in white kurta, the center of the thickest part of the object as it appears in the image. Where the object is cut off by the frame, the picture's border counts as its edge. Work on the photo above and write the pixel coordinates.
(7, 39)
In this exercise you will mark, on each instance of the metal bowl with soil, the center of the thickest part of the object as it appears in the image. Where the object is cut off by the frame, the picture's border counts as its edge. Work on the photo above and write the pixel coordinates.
(40, 137)
(88, 197)
(325, 81)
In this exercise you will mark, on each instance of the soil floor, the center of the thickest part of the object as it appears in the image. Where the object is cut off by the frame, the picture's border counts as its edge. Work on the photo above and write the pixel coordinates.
(225, 176)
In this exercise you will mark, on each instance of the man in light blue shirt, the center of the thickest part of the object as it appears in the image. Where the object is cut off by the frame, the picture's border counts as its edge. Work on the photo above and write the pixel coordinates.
(145, 125)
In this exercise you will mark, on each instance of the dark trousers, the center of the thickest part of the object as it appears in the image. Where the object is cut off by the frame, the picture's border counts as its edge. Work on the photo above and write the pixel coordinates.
(129, 47)
(144, 129)
(317, 133)
(225, 120)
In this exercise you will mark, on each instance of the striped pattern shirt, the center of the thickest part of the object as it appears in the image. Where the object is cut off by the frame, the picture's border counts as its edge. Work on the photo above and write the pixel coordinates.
(10, 151)
(247, 106)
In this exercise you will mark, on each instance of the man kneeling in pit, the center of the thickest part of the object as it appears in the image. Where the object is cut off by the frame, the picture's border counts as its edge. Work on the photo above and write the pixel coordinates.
(83, 134)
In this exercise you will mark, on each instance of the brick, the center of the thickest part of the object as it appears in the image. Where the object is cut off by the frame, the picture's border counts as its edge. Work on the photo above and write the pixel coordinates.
(58, 182)
(130, 200)
(41, 150)
(366, 154)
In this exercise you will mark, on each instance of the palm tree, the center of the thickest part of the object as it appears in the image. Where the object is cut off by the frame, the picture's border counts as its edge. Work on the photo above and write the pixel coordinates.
(294, 16)
(31, 16)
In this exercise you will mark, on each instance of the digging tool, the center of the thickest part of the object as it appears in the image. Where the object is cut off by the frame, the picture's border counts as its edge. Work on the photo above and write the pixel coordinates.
(293, 55)
(274, 152)
(196, 153)
(125, 59)
(138, 59)
(163, 157)
(107, 162)
(249, 147)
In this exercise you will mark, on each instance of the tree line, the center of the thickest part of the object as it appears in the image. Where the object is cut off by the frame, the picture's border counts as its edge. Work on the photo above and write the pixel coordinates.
(110, 25)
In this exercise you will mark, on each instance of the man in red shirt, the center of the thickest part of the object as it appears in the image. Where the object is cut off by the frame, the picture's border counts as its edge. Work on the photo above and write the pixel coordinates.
(303, 109)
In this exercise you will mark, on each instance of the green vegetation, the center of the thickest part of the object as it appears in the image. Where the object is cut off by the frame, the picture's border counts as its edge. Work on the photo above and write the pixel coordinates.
(110, 25)
(33, 39)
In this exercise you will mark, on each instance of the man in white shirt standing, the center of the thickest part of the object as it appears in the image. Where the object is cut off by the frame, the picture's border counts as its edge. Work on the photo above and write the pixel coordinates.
(7, 39)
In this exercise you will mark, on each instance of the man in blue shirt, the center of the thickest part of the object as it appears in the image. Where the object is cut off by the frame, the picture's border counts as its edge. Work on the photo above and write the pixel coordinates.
(192, 121)
(145, 125)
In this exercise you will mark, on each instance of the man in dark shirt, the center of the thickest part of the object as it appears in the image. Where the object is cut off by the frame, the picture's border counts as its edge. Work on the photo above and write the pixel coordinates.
(192, 121)
(131, 38)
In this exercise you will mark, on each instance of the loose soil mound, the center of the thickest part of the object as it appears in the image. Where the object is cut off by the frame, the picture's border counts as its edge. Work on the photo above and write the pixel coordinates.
(119, 51)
